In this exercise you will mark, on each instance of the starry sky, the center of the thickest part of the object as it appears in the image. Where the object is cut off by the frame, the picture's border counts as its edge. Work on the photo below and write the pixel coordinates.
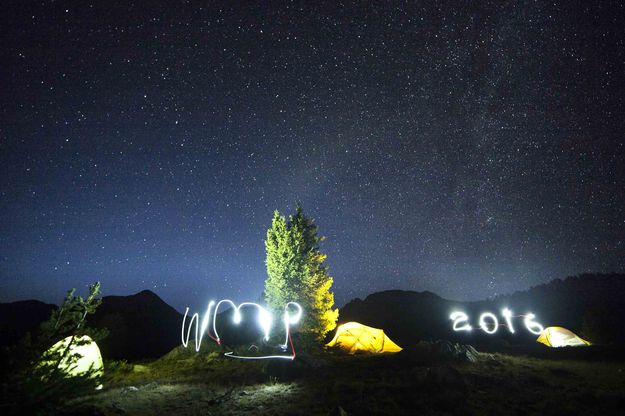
(470, 148)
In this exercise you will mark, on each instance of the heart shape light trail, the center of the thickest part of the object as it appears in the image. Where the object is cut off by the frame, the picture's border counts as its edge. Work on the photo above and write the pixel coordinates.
(265, 322)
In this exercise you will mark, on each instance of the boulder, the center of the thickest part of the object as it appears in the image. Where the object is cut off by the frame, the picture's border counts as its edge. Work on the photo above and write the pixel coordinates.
(449, 351)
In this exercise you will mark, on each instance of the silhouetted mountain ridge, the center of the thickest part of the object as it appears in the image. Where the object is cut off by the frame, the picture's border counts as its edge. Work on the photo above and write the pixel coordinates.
(21, 317)
(589, 304)
(141, 326)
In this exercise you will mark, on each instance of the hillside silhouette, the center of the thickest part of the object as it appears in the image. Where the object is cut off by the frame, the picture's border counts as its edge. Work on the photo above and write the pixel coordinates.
(21, 317)
(144, 326)
(589, 304)
(140, 326)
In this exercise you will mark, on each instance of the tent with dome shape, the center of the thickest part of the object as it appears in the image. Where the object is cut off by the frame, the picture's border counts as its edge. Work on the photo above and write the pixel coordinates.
(83, 357)
(355, 337)
(556, 336)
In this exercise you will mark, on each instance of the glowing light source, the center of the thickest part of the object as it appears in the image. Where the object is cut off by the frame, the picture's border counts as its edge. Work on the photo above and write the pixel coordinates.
(263, 357)
(264, 320)
(488, 319)
(483, 324)
(195, 318)
(290, 320)
(507, 314)
(459, 318)
(531, 325)
(264, 317)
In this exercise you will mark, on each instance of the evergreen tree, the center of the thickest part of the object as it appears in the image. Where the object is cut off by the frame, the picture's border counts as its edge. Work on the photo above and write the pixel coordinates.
(295, 272)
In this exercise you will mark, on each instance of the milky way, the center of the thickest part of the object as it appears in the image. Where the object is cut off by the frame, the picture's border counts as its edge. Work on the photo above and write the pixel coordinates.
(469, 149)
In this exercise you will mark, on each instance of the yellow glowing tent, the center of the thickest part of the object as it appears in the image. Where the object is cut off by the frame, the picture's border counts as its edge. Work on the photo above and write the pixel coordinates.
(556, 336)
(353, 337)
(85, 350)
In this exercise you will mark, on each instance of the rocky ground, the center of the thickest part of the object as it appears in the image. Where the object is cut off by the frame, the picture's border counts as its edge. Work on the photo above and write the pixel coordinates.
(427, 379)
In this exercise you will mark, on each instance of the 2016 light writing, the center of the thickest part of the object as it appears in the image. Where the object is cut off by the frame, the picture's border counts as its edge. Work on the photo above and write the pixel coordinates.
(489, 323)
(265, 322)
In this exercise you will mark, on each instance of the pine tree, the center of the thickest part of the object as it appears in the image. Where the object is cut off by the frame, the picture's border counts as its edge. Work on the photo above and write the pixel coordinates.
(295, 272)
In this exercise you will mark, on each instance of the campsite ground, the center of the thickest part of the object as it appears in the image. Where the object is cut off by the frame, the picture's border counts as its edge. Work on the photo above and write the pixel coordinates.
(186, 383)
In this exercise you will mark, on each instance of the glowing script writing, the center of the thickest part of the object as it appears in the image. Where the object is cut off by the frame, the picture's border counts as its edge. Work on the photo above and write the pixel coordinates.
(292, 315)
(489, 323)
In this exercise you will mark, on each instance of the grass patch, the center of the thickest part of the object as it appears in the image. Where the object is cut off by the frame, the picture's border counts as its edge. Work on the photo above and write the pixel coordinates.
(186, 383)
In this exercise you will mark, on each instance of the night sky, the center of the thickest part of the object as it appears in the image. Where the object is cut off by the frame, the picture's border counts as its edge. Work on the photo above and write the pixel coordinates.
(470, 149)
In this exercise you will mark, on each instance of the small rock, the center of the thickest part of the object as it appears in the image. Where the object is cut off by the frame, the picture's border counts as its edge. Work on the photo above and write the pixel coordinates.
(456, 352)
(129, 389)
(138, 368)
(472, 350)
(492, 360)
(469, 357)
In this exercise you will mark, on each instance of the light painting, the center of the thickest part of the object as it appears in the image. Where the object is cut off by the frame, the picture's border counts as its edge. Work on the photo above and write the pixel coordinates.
(489, 323)
(292, 315)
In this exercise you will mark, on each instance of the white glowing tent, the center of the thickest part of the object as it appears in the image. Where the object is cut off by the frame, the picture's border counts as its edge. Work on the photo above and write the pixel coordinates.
(87, 352)
(556, 336)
